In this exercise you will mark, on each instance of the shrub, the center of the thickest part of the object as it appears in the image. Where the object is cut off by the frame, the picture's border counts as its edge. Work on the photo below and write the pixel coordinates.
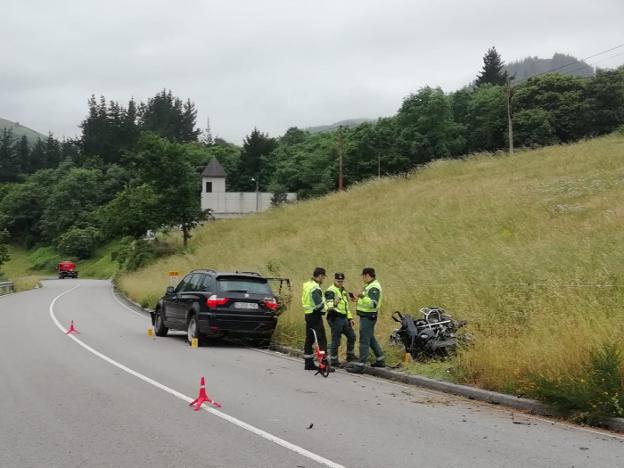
(135, 254)
(596, 394)
(79, 242)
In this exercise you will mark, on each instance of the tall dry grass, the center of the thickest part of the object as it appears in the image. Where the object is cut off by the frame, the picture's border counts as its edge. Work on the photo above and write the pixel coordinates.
(528, 248)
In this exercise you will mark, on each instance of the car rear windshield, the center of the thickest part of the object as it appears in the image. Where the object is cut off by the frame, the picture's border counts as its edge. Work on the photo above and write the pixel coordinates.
(243, 285)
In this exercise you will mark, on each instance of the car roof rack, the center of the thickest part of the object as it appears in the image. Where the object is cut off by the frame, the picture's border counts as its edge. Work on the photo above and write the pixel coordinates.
(253, 273)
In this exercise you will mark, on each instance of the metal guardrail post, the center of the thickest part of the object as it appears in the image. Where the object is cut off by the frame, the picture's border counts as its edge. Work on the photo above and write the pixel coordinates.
(6, 287)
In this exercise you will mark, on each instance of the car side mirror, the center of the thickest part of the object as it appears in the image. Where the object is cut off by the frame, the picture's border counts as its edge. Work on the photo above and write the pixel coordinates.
(170, 290)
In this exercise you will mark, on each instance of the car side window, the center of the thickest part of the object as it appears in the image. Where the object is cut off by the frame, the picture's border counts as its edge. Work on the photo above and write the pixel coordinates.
(206, 284)
(182, 284)
(193, 283)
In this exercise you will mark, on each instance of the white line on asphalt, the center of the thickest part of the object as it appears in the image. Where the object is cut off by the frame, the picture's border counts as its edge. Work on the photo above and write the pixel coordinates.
(181, 396)
(124, 305)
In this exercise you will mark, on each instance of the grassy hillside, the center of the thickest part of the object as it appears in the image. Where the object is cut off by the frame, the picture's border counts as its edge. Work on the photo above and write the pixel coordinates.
(527, 248)
(20, 130)
(27, 267)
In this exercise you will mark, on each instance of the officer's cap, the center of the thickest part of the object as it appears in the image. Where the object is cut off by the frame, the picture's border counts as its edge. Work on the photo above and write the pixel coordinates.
(339, 276)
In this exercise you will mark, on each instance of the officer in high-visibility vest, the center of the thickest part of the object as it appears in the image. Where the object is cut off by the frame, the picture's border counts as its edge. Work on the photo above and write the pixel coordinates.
(340, 319)
(314, 308)
(367, 308)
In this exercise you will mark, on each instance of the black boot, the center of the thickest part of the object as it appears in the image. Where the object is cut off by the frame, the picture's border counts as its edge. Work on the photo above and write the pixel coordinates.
(351, 357)
(381, 363)
(309, 364)
(355, 369)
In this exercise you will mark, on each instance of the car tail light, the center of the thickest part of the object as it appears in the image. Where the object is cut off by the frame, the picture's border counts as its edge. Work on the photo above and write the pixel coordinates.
(271, 303)
(214, 301)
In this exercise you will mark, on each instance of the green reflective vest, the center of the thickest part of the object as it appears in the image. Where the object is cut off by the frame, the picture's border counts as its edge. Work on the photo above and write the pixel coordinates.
(365, 303)
(307, 300)
(342, 306)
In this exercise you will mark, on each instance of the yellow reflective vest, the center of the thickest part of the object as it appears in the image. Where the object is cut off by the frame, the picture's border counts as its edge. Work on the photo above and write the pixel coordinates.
(367, 304)
(340, 306)
(307, 299)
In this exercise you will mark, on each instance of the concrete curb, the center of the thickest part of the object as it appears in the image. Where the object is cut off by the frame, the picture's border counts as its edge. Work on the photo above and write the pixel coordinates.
(473, 393)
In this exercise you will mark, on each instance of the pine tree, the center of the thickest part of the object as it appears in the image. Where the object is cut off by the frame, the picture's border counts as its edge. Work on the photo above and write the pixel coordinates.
(53, 152)
(9, 164)
(22, 152)
(168, 117)
(253, 160)
(492, 69)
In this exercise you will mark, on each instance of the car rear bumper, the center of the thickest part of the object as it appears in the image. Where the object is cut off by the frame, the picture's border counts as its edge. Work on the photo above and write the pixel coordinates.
(235, 324)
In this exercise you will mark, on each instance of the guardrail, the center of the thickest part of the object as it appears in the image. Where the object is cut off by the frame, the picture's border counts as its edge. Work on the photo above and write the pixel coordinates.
(6, 287)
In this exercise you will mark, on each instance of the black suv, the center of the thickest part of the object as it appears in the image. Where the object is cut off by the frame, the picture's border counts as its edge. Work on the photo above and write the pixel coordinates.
(207, 303)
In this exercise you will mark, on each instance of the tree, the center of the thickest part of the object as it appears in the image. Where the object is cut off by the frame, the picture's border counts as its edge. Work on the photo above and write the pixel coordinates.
(485, 119)
(254, 162)
(563, 97)
(22, 154)
(167, 168)
(533, 127)
(70, 202)
(605, 101)
(10, 167)
(4, 248)
(53, 152)
(131, 213)
(22, 207)
(426, 129)
(167, 116)
(492, 71)
(79, 242)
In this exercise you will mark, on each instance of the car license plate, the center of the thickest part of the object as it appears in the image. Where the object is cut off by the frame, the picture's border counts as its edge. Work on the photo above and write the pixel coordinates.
(245, 305)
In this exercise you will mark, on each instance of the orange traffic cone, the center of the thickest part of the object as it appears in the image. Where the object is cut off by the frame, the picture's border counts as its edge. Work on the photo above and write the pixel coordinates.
(202, 397)
(71, 329)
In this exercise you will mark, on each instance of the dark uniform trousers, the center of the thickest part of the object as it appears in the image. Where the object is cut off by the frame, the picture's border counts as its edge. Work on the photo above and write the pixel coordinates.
(341, 326)
(314, 321)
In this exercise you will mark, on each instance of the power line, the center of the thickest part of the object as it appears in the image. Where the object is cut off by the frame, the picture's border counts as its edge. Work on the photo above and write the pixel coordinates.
(576, 62)
(582, 60)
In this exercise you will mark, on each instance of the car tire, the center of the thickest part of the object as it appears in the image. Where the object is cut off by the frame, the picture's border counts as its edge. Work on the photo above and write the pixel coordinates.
(159, 324)
(192, 331)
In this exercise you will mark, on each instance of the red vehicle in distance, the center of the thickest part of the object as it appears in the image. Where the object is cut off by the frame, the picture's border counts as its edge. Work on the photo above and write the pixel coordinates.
(67, 269)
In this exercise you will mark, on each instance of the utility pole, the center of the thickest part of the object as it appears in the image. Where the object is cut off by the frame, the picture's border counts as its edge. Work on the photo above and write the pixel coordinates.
(509, 122)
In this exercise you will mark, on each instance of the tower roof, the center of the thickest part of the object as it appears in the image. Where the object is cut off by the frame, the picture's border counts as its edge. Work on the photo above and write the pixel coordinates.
(213, 169)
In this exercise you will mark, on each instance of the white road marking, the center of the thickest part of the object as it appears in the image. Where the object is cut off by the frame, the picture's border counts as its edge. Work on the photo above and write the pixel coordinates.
(124, 305)
(283, 443)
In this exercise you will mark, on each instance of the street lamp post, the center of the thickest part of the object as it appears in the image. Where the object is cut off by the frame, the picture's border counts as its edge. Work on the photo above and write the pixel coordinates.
(253, 179)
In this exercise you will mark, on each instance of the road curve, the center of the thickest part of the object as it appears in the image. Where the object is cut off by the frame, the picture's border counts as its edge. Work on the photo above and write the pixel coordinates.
(116, 397)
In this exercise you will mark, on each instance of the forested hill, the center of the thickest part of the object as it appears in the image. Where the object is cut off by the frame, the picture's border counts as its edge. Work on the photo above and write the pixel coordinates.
(349, 123)
(19, 131)
(564, 64)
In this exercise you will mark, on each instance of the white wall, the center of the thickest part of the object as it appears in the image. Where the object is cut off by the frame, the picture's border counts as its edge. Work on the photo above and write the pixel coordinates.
(230, 204)
(218, 184)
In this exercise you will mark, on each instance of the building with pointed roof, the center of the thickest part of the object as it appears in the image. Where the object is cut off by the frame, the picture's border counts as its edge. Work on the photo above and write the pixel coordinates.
(225, 204)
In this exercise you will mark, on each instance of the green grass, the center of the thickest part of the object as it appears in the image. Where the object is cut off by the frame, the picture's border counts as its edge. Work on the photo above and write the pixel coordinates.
(527, 248)
(27, 267)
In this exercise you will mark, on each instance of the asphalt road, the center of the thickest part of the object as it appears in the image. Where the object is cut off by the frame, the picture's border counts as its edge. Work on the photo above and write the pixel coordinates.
(112, 396)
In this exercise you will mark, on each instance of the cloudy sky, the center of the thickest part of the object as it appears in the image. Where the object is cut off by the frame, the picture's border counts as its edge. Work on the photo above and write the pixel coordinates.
(273, 64)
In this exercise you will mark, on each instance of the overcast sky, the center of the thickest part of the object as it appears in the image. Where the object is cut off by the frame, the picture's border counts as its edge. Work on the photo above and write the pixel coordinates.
(274, 64)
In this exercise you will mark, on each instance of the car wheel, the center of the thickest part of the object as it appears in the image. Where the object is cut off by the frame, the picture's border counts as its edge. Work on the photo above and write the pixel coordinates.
(193, 331)
(159, 324)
